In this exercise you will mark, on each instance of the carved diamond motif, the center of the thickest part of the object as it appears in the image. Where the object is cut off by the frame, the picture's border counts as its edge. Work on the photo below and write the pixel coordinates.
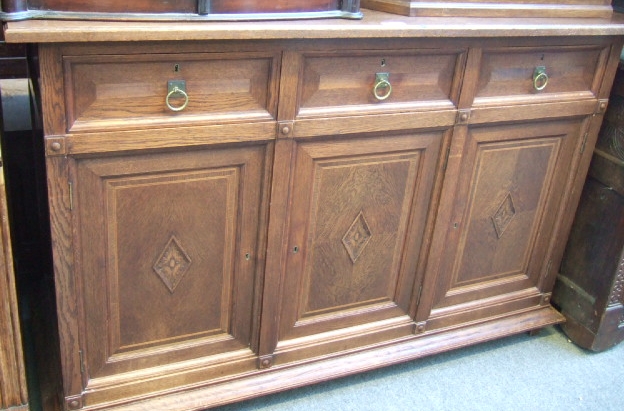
(503, 216)
(172, 264)
(357, 237)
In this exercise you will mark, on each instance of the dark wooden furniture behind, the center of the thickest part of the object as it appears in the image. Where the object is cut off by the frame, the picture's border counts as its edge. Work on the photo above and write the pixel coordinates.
(590, 286)
(13, 390)
(168, 10)
(242, 209)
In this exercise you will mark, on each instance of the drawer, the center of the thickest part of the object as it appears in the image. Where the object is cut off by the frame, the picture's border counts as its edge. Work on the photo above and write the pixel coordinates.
(135, 91)
(523, 73)
(373, 81)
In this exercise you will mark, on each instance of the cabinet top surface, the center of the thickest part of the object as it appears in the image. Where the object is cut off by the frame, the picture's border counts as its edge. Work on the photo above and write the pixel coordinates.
(374, 25)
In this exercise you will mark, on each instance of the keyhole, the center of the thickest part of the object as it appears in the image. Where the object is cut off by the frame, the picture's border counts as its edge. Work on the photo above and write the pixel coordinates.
(542, 57)
(176, 68)
(383, 62)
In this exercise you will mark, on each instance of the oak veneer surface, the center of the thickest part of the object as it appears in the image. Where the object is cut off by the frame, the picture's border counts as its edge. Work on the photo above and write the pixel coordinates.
(305, 228)
(374, 25)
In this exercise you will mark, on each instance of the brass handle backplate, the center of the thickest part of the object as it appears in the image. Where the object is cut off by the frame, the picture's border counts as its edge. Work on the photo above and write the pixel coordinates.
(383, 88)
(176, 88)
(540, 78)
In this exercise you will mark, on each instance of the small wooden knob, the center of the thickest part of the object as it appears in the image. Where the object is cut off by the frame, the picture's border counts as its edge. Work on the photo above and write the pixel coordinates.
(73, 404)
(56, 146)
(285, 130)
(463, 116)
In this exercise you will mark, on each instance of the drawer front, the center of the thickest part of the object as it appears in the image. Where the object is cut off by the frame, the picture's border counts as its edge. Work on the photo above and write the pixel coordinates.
(135, 91)
(527, 73)
(379, 81)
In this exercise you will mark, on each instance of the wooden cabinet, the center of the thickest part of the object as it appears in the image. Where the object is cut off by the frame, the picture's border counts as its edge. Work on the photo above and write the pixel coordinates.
(316, 207)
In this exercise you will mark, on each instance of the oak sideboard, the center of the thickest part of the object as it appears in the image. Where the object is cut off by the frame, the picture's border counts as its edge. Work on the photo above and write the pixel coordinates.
(242, 208)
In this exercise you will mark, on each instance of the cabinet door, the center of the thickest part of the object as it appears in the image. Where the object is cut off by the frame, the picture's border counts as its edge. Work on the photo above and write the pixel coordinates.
(493, 243)
(168, 251)
(359, 208)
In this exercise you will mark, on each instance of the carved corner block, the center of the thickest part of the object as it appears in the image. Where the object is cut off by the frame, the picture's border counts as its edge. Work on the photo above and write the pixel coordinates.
(463, 116)
(55, 146)
(265, 362)
(420, 327)
(545, 299)
(75, 402)
(285, 129)
(601, 108)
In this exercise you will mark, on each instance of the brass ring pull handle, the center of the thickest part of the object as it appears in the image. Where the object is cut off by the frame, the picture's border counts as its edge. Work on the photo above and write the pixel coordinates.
(540, 78)
(382, 83)
(177, 88)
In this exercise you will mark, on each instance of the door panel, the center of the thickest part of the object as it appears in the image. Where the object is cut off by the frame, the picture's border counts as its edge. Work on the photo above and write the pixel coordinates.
(511, 181)
(358, 213)
(166, 247)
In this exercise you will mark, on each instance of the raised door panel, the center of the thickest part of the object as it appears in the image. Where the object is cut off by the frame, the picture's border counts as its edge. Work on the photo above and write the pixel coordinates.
(167, 249)
(512, 179)
(359, 208)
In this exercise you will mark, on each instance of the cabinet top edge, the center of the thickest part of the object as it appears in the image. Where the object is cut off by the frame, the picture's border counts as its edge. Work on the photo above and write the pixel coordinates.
(374, 25)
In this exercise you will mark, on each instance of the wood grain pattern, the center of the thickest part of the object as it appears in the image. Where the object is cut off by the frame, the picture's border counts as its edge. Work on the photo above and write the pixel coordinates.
(375, 25)
(508, 73)
(354, 209)
(112, 6)
(13, 389)
(589, 284)
(129, 209)
(180, 6)
(286, 377)
(116, 89)
(502, 226)
(486, 8)
(308, 225)
(419, 78)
